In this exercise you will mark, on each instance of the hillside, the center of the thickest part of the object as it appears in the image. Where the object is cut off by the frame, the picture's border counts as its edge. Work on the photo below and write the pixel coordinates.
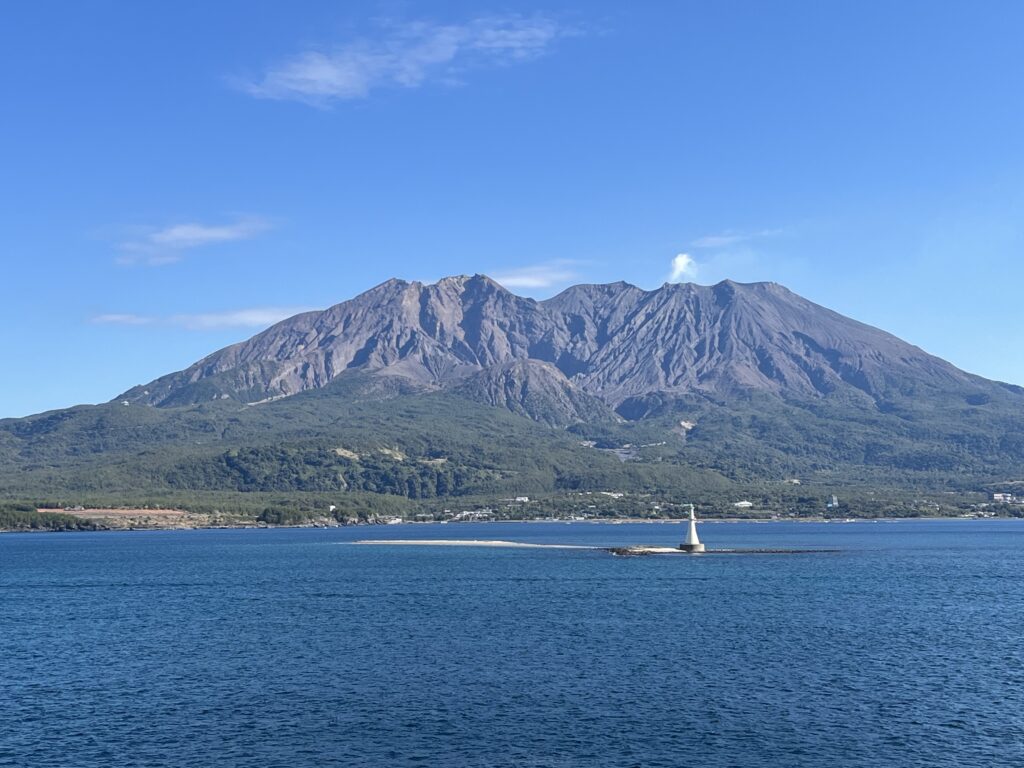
(463, 389)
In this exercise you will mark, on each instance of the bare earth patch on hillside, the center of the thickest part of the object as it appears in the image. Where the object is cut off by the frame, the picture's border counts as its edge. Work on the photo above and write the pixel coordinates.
(92, 513)
(139, 518)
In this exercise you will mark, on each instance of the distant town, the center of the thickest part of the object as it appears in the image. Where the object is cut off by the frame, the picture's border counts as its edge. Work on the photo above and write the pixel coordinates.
(580, 506)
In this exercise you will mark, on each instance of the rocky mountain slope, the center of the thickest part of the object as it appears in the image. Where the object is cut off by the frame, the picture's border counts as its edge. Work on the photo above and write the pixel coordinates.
(615, 342)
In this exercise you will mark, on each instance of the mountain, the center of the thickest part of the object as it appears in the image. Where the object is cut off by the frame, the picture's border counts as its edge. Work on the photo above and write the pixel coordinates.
(462, 388)
(615, 342)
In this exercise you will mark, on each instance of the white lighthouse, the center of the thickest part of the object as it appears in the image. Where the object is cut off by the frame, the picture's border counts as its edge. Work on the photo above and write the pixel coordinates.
(692, 543)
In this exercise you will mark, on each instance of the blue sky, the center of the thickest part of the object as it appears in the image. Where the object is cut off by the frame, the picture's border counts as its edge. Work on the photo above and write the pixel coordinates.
(177, 175)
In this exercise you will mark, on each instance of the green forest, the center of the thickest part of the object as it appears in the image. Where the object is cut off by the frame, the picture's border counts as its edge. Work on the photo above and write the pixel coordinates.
(418, 454)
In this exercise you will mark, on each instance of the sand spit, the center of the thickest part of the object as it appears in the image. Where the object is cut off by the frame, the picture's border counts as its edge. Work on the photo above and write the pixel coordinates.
(470, 543)
(630, 551)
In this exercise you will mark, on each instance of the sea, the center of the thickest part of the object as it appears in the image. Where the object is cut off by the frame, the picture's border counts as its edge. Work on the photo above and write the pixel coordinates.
(299, 648)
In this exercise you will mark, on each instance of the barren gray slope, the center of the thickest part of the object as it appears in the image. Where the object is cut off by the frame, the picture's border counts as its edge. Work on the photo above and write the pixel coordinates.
(612, 341)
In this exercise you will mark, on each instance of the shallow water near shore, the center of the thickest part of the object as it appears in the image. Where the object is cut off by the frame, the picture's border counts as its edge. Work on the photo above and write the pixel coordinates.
(292, 647)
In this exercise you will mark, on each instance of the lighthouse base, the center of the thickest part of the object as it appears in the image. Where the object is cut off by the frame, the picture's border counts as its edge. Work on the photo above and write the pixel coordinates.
(692, 548)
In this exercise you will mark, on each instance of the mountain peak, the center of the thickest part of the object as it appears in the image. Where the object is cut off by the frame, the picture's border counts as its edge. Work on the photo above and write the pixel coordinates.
(613, 341)
(475, 282)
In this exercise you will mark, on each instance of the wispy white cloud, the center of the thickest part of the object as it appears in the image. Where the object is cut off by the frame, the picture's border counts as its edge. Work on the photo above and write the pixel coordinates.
(168, 245)
(683, 268)
(406, 56)
(745, 255)
(727, 239)
(122, 319)
(193, 235)
(538, 275)
(253, 317)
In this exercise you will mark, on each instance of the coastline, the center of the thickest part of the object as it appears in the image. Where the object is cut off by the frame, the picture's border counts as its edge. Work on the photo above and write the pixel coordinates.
(136, 519)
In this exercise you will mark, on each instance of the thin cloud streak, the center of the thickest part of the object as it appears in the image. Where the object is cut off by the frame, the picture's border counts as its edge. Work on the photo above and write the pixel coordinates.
(408, 56)
(122, 319)
(727, 239)
(257, 317)
(194, 235)
(253, 317)
(538, 275)
(169, 245)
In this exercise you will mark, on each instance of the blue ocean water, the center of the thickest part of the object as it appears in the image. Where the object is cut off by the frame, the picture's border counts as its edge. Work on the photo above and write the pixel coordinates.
(295, 647)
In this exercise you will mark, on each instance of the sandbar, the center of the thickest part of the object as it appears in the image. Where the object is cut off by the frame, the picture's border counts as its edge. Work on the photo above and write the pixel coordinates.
(470, 543)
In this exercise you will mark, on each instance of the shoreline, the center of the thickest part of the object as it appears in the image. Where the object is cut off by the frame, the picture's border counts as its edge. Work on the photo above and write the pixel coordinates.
(181, 520)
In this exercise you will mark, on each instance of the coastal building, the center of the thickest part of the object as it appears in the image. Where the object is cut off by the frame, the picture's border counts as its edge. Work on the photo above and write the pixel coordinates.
(743, 504)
